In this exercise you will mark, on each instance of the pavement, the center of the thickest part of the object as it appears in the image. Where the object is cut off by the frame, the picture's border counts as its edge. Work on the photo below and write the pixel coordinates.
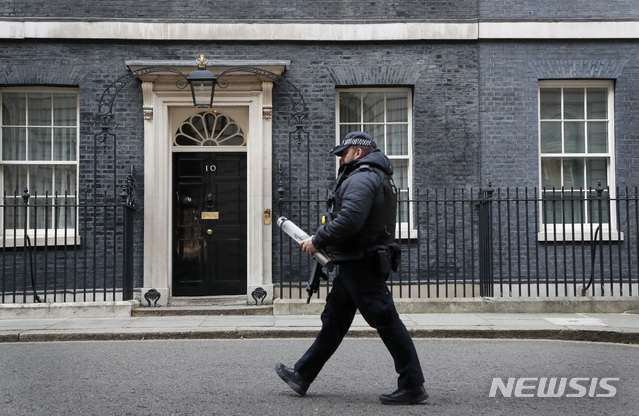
(593, 327)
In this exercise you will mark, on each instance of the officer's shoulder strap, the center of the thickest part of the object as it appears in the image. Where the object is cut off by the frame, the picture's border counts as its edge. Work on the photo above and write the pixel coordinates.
(384, 183)
(387, 185)
(365, 167)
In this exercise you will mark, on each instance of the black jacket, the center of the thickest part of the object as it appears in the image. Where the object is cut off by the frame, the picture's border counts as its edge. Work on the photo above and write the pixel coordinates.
(364, 211)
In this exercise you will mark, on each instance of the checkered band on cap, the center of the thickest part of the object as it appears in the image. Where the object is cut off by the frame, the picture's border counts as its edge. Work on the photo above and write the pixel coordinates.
(358, 141)
(355, 138)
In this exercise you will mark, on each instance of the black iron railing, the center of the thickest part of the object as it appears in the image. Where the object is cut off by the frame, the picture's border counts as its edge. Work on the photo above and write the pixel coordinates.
(510, 242)
(504, 242)
(56, 248)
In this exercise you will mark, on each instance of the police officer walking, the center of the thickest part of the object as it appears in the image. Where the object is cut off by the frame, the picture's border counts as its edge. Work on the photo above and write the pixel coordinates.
(360, 240)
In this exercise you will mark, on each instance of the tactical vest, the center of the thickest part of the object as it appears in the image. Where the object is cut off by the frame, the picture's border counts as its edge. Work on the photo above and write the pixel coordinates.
(379, 227)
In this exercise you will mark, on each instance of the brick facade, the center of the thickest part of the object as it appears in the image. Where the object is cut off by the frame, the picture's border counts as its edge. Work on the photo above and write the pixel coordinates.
(564, 10)
(474, 105)
(244, 10)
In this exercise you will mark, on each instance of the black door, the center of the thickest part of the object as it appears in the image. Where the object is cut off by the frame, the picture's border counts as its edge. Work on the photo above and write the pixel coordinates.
(209, 224)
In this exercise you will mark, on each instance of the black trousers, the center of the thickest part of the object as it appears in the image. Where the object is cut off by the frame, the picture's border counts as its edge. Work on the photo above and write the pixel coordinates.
(359, 285)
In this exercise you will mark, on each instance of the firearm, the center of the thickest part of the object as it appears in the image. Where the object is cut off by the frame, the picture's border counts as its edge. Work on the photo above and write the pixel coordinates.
(316, 270)
(322, 259)
(314, 281)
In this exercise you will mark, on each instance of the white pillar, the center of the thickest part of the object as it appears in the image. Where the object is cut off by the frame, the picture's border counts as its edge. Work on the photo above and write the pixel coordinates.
(157, 270)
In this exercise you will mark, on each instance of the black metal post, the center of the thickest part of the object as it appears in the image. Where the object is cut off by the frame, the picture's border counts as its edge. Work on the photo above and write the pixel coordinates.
(127, 280)
(600, 241)
(128, 205)
(486, 242)
(25, 198)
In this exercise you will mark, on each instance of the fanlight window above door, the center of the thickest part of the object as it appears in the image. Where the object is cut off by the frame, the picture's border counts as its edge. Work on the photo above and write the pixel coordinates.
(209, 129)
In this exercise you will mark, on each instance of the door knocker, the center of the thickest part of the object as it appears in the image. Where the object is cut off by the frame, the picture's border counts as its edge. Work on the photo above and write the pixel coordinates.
(209, 200)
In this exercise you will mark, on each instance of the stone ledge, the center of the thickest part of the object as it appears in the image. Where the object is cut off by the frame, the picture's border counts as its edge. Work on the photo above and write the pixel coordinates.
(9, 336)
(480, 305)
(269, 333)
(212, 310)
(106, 309)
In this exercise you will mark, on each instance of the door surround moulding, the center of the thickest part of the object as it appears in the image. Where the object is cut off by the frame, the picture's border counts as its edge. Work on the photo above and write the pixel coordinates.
(158, 100)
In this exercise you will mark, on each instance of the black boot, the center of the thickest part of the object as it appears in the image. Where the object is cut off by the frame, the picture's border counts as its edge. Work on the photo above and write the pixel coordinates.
(416, 395)
(292, 378)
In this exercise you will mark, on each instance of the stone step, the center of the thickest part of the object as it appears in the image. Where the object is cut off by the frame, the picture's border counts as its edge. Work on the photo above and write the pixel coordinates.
(239, 300)
(200, 310)
(203, 305)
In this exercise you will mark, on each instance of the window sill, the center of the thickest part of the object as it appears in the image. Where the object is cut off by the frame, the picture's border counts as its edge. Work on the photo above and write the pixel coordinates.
(71, 239)
(403, 233)
(578, 236)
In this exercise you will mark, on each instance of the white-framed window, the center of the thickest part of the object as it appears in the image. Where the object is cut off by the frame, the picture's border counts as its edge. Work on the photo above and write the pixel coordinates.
(576, 155)
(39, 136)
(386, 115)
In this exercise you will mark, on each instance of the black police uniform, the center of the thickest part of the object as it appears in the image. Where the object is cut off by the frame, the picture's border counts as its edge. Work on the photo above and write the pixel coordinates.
(357, 239)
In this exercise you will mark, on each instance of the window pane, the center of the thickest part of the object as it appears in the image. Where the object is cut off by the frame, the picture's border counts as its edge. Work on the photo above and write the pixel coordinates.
(14, 182)
(396, 106)
(550, 137)
(374, 107)
(597, 103)
(597, 170)
(597, 137)
(574, 137)
(550, 173)
(14, 143)
(551, 207)
(397, 135)
(563, 207)
(39, 109)
(65, 211)
(64, 110)
(345, 129)
(41, 180)
(402, 211)
(14, 218)
(400, 177)
(15, 179)
(349, 107)
(40, 144)
(599, 209)
(65, 180)
(14, 109)
(573, 173)
(550, 103)
(574, 103)
(400, 173)
(573, 203)
(40, 212)
(376, 131)
(64, 144)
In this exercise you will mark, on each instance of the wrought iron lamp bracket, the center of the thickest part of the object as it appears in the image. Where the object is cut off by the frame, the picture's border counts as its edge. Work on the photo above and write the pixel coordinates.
(299, 112)
(105, 120)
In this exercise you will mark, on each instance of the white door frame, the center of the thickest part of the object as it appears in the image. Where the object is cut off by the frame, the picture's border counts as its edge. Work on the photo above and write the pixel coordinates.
(159, 96)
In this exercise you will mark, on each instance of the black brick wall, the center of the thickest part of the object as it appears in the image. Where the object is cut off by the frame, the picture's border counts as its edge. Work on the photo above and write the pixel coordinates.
(243, 10)
(565, 10)
(324, 10)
